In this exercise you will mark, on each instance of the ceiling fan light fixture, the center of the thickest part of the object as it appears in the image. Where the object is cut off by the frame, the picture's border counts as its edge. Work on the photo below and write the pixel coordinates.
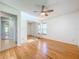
(42, 14)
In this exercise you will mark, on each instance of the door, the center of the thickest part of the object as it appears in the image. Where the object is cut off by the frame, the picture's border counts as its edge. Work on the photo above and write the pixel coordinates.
(8, 31)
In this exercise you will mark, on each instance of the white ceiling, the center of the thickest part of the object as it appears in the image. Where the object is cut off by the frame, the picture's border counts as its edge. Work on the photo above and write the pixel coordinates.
(60, 6)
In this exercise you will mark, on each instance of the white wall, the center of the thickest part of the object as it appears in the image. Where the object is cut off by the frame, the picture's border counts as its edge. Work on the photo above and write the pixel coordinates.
(64, 28)
(23, 30)
(28, 28)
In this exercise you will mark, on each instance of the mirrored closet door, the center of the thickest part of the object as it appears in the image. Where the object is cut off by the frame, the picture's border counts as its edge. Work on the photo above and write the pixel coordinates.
(8, 31)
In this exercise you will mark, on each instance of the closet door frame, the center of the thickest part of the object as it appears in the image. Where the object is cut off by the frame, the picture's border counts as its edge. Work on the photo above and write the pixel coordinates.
(2, 13)
(0, 27)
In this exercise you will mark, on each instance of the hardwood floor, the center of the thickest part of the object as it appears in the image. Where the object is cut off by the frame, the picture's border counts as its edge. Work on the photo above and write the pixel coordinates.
(42, 49)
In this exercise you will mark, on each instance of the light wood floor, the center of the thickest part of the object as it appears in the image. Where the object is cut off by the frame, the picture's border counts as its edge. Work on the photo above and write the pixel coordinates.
(42, 49)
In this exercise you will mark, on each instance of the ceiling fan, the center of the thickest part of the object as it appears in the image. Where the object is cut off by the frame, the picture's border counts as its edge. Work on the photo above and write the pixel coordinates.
(43, 11)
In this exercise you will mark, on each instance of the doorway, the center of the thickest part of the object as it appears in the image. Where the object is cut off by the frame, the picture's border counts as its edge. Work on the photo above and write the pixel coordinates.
(32, 30)
(8, 31)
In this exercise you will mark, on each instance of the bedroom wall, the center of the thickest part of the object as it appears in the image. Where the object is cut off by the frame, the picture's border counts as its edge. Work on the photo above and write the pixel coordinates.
(64, 28)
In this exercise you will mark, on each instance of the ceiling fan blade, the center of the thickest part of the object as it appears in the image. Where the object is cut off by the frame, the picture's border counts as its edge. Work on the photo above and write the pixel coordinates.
(49, 10)
(36, 11)
(42, 8)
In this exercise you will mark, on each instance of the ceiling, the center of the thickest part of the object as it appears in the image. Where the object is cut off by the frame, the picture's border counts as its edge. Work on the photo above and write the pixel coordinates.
(60, 7)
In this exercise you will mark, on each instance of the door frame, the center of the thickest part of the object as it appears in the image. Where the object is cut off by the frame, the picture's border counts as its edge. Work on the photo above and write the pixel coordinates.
(16, 37)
